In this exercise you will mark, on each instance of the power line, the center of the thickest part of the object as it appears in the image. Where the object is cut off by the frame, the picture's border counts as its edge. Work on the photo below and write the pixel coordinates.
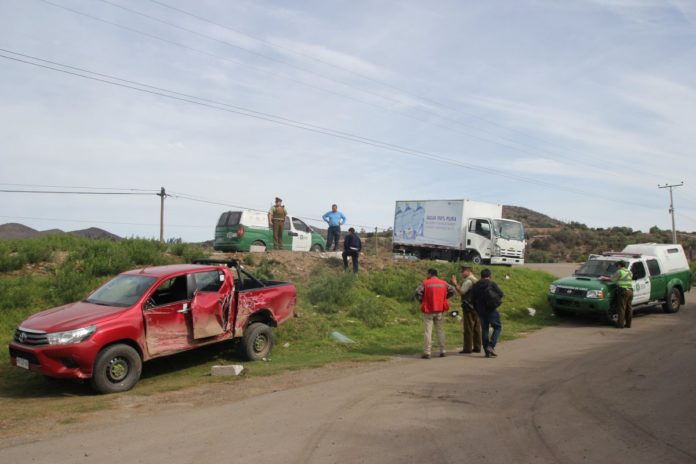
(509, 142)
(76, 187)
(85, 221)
(440, 104)
(72, 192)
(307, 127)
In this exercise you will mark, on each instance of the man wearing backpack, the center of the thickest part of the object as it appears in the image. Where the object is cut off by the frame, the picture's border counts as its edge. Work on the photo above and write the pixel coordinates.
(487, 297)
(433, 294)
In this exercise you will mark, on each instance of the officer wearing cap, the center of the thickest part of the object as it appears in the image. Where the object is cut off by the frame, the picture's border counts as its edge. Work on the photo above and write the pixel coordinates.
(623, 278)
(276, 219)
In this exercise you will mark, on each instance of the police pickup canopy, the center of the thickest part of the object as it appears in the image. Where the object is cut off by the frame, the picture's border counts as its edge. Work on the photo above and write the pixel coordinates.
(661, 275)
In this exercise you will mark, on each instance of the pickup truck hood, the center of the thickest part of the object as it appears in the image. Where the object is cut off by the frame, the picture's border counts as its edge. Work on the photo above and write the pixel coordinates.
(589, 283)
(70, 316)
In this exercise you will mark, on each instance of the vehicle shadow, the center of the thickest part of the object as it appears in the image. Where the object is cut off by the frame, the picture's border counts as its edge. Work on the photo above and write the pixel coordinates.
(582, 320)
(19, 384)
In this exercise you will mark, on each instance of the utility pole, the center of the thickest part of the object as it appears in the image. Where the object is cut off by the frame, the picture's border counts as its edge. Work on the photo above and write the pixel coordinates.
(376, 243)
(162, 195)
(671, 207)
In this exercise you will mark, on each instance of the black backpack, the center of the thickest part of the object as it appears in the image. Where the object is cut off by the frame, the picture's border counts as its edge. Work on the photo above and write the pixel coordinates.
(491, 298)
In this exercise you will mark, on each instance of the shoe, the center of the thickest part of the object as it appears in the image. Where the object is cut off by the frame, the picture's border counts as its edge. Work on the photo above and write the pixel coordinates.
(488, 354)
(477, 351)
(465, 352)
(627, 327)
(442, 355)
(492, 354)
(425, 356)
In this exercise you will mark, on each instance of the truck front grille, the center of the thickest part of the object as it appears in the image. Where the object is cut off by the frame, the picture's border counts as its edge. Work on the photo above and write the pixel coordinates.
(30, 337)
(575, 292)
(512, 253)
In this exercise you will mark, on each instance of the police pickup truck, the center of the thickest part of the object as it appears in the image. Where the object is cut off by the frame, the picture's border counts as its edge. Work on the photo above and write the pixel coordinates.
(661, 275)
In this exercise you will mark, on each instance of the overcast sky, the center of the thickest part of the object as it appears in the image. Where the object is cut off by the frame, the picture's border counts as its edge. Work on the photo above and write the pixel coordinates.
(576, 109)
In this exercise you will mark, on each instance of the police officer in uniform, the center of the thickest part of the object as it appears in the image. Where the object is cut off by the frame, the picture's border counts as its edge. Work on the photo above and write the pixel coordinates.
(624, 294)
(276, 219)
(472, 323)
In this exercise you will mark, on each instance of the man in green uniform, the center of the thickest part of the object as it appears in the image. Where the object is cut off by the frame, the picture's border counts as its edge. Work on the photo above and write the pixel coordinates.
(624, 294)
(472, 324)
(276, 220)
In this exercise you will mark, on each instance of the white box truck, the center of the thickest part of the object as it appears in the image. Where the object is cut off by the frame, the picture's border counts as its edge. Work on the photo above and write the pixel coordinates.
(457, 229)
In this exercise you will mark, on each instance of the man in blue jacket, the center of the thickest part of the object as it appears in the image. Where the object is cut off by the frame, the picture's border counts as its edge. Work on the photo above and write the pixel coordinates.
(351, 247)
(334, 219)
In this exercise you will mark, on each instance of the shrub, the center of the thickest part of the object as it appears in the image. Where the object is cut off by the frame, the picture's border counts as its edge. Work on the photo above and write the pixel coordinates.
(329, 291)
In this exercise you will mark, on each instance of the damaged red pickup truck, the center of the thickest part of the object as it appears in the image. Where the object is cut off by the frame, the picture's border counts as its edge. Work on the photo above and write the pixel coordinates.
(151, 312)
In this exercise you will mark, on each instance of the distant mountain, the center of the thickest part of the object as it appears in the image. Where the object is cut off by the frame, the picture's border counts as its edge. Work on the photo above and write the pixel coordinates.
(14, 231)
(95, 233)
(530, 218)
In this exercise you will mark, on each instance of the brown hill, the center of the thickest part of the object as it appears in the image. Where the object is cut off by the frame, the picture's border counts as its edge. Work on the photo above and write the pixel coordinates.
(13, 231)
(530, 218)
(95, 233)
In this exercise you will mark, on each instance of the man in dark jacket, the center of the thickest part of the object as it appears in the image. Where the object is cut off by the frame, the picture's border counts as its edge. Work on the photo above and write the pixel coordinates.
(351, 247)
(487, 297)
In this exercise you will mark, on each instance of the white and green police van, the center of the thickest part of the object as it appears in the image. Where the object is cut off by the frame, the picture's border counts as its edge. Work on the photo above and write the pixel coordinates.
(661, 275)
(240, 230)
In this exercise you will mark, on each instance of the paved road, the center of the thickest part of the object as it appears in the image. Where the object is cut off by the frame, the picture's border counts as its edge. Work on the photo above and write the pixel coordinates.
(569, 394)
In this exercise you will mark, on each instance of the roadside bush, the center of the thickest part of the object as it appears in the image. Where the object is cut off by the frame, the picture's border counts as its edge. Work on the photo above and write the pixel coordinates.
(330, 292)
(373, 310)
(397, 283)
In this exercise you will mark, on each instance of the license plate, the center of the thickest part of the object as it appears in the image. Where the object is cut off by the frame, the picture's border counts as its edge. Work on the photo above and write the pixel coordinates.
(23, 363)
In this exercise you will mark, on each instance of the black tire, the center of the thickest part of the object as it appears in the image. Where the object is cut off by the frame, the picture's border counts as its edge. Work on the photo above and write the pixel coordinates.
(257, 341)
(117, 369)
(258, 243)
(673, 303)
(317, 248)
(475, 258)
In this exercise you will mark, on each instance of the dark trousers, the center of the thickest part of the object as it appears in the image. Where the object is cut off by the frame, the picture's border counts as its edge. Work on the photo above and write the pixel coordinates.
(278, 235)
(354, 257)
(488, 319)
(472, 331)
(624, 298)
(332, 237)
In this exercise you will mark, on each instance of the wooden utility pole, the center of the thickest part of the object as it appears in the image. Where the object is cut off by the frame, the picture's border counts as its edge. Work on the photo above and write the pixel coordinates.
(376, 243)
(162, 195)
(671, 207)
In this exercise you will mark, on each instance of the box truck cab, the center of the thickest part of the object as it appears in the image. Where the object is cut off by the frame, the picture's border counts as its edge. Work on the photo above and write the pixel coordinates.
(240, 230)
(458, 229)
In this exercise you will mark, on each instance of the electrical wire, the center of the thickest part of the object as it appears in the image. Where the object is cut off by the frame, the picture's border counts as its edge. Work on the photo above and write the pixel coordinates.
(505, 141)
(304, 126)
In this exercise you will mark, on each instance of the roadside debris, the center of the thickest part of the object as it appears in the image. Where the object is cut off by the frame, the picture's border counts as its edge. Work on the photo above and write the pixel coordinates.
(531, 311)
(339, 337)
(226, 370)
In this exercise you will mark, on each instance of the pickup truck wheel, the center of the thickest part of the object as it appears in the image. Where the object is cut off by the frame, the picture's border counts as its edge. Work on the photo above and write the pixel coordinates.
(673, 303)
(258, 243)
(317, 248)
(117, 369)
(257, 341)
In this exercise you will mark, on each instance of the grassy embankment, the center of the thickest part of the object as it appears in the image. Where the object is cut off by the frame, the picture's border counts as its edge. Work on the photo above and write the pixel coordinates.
(375, 309)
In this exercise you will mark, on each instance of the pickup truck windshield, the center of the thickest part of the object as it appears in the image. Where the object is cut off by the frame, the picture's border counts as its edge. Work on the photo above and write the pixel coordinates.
(123, 290)
(508, 230)
(596, 268)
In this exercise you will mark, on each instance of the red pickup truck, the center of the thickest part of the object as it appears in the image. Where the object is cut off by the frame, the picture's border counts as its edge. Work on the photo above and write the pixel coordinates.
(151, 312)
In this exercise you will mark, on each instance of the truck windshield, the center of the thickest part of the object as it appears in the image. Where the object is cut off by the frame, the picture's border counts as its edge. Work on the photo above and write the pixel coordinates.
(509, 230)
(123, 290)
(596, 268)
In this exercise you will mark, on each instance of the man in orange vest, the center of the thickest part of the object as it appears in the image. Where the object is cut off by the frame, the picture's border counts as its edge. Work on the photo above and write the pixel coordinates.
(433, 294)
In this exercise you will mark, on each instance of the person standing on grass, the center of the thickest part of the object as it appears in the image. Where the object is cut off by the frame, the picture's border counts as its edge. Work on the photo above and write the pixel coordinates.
(335, 219)
(351, 247)
(276, 219)
(487, 297)
(471, 321)
(433, 294)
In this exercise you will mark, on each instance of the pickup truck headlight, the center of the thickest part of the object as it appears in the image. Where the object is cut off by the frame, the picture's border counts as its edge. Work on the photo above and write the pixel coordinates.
(552, 288)
(597, 294)
(71, 336)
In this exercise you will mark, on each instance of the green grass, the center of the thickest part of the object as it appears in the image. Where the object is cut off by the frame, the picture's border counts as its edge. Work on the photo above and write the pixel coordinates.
(376, 309)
